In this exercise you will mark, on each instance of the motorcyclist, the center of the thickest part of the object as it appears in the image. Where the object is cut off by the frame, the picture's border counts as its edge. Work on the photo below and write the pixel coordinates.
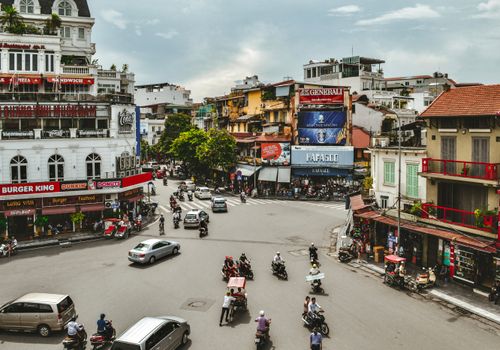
(313, 308)
(277, 261)
(315, 271)
(74, 329)
(243, 196)
(176, 216)
(263, 323)
(162, 224)
(244, 262)
(313, 252)
(190, 194)
(229, 266)
(103, 327)
(204, 225)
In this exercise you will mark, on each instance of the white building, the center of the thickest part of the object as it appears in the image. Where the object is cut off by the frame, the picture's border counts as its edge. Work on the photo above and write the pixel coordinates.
(164, 93)
(66, 146)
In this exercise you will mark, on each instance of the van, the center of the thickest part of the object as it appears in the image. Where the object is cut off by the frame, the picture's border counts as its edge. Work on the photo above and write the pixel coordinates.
(37, 312)
(158, 333)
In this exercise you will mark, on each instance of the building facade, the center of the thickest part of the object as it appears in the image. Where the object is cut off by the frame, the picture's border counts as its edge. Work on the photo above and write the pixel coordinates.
(160, 94)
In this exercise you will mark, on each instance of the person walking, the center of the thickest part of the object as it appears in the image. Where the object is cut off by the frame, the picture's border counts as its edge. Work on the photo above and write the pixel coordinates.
(316, 340)
(225, 307)
(306, 305)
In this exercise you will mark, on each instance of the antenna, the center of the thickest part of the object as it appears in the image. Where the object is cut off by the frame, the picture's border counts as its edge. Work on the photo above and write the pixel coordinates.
(352, 51)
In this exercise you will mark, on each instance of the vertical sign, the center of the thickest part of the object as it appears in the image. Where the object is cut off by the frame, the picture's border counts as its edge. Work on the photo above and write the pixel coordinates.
(137, 131)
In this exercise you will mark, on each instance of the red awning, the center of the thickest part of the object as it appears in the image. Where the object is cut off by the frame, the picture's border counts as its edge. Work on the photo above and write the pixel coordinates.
(357, 202)
(20, 80)
(72, 81)
(367, 215)
(136, 198)
(59, 210)
(92, 207)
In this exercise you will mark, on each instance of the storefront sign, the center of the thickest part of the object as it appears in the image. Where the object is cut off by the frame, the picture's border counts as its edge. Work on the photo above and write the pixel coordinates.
(31, 188)
(316, 136)
(19, 204)
(327, 156)
(136, 179)
(108, 184)
(322, 119)
(324, 171)
(84, 199)
(48, 111)
(275, 153)
(20, 80)
(92, 133)
(323, 96)
(125, 118)
(130, 193)
(71, 81)
(20, 212)
(20, 133)
(21, 46)
(54, 134)
(74, 186)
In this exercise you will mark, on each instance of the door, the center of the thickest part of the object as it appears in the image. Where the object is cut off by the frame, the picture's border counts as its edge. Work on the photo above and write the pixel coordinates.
(30, 316)
(157, 250)
(480, 153)
(448, 152)
(10, 316)
(167, 333)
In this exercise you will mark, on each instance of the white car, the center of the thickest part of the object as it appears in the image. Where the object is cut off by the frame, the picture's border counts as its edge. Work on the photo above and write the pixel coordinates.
(203, 193)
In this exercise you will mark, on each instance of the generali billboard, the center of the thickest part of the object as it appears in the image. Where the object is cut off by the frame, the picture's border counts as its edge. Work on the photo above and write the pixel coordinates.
(321, 96)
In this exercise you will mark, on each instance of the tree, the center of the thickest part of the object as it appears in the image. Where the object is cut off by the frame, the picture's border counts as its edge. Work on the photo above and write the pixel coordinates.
(219, 151)
(113, 67)
(52, 24)
(11, 21)
(185, 148)
(175, 124)
(125, 68)
(145, 149)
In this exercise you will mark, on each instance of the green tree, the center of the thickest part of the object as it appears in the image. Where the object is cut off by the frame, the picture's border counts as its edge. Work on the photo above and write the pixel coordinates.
(145, 149)
(219, 151)
(185, 148)
(52, 24)
(125, 68)
(175, 124)
(11, 21)
(113, 67)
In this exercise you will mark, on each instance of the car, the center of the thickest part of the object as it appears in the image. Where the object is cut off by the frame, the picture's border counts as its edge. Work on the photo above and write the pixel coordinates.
(219, 204)
(190, 186)
(150, 167)
(193, 218)
(203, 193)
(158, 333)
(37, 312)
(148, 251)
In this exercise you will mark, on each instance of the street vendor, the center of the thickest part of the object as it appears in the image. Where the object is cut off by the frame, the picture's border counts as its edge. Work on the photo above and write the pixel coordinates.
(239, 294)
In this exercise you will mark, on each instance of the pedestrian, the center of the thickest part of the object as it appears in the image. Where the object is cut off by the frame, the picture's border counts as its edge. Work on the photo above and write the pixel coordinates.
(306, 305)
(225, 307)
(316, 340)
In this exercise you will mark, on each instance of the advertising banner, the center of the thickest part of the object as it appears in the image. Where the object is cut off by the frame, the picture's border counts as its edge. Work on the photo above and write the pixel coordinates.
(29, 188)
(323, 156)
(322, 136)
(275, 153)
(74, 186)
(125, 118)
(323, 96)
(322, 119)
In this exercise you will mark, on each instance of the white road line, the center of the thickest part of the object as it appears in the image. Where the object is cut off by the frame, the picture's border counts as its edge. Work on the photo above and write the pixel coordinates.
(259, 201)
(233, 201)
(229, 204)
(197, 205)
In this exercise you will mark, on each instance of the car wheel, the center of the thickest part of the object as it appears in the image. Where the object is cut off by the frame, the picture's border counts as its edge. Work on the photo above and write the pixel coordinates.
(175, 251)
(185, 338)
(43, 330)
(152, 260)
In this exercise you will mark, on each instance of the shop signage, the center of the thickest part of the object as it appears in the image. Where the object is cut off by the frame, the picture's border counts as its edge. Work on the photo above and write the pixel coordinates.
(71, 81)
(84, 199)
(16, 133)
(22, 46)
(74, 186)
(137, 179)
(125, 118)
(275, 153)
(322, 96)
(95, 133)
(322, 119)
(29, 188)
(324, 136)
(54, 134)
(20, 80)
(19, 204)
(326, 156)
(130, 193)
(20, 212)
(47, 111)
(108, 184)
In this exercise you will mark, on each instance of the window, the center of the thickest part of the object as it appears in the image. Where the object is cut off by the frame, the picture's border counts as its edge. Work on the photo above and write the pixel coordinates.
(19, 169)
(23, 61)
(26, 6)
(383, 201)
(448, 123)
(64, 8)
(49, 61)
(389, 176)
(407, 83)
(477, 123)
(65, 32)
(13, 308)
(81, 33)
(93, 162)
(412, 180)
(56, 168)
(419, 81)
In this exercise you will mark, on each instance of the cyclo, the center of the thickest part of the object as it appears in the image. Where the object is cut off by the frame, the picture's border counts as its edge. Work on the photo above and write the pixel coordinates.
(394, 271)
(237, 287)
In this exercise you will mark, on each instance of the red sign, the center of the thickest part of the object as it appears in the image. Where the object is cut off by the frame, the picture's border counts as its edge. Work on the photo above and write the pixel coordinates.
(41, 111)
(323, 96)
(20, 80)
(20, 212)
(74, 186)
(108, 184)
(29, 188)
(270, 150)
(21, 46)
(136, 179)
(72, 81)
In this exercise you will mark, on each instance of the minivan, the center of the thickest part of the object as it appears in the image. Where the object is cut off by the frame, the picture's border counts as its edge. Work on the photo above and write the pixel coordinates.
(158, 333)
(40, 312)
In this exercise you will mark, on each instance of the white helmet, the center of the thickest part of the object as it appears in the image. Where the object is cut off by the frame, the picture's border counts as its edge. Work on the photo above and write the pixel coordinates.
(277, 253)
(261, 312)
(312, 244)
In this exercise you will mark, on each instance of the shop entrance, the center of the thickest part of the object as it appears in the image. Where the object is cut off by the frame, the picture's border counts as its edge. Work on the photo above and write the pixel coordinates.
(21, 227)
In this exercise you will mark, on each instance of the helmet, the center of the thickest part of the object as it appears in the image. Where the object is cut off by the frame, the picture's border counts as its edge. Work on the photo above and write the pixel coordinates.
(103, 316)
(315, 266)
(277, 253)
(227, 257)
(261, 312)
(230, 258)
(243, 254)
(73, 319)
(312, 244)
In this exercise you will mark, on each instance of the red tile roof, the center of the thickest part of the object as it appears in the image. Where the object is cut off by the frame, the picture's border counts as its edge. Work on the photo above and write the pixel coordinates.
(409, 78)
(360, 137)
(482, 100)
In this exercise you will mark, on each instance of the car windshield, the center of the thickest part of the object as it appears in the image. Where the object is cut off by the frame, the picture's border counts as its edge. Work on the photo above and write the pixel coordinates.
(141, 247)
(191, 216)
(65, 304)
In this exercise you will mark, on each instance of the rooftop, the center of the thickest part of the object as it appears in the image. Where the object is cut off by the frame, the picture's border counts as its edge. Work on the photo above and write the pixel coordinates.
(46, 6)
(409, 77)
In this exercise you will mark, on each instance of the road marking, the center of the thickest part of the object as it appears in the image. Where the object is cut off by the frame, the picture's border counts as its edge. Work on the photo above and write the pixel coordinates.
(197, 205)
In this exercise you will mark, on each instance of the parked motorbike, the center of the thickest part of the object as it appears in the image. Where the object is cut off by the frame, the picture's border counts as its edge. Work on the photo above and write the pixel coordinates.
(261, 338)
(279, 270)
(6, 249)
(424, 280)
(246, 270)
(99, 341)
(316, 320)
(494, 295)
(76, 342)
(137, 225)
(346, 254)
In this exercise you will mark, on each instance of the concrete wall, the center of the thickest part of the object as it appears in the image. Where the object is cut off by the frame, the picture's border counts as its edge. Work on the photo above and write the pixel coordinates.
(367, 118)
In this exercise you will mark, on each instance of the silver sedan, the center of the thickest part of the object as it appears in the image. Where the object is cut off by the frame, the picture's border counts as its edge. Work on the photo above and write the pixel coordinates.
(152, 249)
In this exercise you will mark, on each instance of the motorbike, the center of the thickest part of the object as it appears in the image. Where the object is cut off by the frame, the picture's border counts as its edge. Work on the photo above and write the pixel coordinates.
(176, 222)
(228, 273)
(424, 280)
(203, 231)
(346, 254)
(165, 181)
(261, 338)
(76, 342)
(316, 287)
(316, 320)
(99, 341)
(7, 249)
(137, 225)
(181, 197)
(243, 198)
(246, 270)
(279, 270)
(494, 294)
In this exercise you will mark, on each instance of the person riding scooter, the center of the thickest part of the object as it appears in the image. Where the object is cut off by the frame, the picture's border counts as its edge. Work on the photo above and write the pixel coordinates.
(315, 271)
(74, 329)
(203, 226)
(190, 195)
(104, 327)
(243, 197)
(263, 324)
(313, 252)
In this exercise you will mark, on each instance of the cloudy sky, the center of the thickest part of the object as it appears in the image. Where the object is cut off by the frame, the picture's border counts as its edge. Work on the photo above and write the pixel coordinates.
(207, 45)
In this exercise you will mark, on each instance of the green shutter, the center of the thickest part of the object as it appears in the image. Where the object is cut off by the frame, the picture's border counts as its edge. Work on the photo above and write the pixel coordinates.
(389, 173)
(412, 180)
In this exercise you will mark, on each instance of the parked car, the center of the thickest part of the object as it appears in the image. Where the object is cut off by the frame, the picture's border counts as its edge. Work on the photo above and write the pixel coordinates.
(158, 333)
(150, 166)
(202, 193)
(37, 312)
(150, 250)
(193, 218)
(219, 204)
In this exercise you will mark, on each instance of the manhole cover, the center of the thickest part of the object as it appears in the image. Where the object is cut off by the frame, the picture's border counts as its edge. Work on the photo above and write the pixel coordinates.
(197, 304)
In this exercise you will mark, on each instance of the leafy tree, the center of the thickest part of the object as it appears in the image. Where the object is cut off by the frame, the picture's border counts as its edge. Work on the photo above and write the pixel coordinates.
(125, 68)
(145, 149)
(52, 24)
(113, 67)
(219, 150)
(175, 124)
(185, 148)
(11, 21)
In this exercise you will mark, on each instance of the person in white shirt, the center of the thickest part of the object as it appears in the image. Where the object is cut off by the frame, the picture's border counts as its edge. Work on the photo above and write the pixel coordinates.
(73, 328)
(278, 259)
(228, 299)
(313, 307)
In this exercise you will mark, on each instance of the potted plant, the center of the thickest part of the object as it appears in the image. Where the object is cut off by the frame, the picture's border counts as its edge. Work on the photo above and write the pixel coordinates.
(40, 222)
(77, 219)
(416, 208)
(489, 217)
(478, 215)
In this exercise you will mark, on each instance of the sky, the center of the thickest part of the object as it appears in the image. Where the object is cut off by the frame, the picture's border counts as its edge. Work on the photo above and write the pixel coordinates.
(208, 45)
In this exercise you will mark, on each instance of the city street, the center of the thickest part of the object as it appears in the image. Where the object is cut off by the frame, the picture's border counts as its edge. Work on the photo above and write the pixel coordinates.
(362, 312)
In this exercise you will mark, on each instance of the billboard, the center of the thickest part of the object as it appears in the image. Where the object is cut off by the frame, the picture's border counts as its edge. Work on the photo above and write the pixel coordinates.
(323, 156)
(275, 153)
(322, 96)
(322, 119)
(322, 136)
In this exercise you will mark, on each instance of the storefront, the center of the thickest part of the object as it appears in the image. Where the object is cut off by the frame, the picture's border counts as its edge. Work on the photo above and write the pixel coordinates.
(129, 201)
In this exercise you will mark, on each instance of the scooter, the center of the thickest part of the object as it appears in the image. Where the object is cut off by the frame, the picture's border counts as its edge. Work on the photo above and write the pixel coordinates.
(316, 287)
(203, 231)
(494, 295)
(181, 197)
(243, 198)
(279, 270)
(137, 225)
(190, 197)
(424, 280)
(7, 250)
(99, 341)
(176, 222)
(261, 338)
(246, 270)
(346, 254)
(77, 342)
(317, 320)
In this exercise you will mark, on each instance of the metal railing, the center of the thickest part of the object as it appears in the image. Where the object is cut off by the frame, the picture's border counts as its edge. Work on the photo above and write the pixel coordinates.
(63, 97)
(474, 170)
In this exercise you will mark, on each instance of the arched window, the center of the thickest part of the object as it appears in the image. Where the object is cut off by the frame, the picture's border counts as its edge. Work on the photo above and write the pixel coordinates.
(64, 8)
(56, 168)
(93, 166)
(26, 6)
(19, 169)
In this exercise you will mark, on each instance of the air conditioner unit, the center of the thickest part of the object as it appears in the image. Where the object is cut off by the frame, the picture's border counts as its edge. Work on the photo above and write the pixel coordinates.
(108, 204)
(383, 143)
(371, 192)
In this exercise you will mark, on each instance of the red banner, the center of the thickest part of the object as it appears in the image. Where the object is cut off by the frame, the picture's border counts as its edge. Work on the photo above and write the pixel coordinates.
(20, 80)
(323, 96)
(72, 81)
(270, 150)
(29, 188)
(136, 179)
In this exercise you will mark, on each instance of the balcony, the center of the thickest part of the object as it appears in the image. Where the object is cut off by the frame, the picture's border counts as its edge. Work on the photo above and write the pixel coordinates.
(486, 222)
(79, 70)
(63, 97)
(478, 172)
(53, 134)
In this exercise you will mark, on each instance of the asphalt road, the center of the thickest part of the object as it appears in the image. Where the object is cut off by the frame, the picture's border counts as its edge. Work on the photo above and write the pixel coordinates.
(362, 312)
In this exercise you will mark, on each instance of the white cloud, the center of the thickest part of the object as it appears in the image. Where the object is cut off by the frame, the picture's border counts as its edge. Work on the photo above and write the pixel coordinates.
(489, 9)
(421, 62)
(168, 35)
(138, 30)
(114, 17)
(410, 13)
(152, 22)
(344, 10)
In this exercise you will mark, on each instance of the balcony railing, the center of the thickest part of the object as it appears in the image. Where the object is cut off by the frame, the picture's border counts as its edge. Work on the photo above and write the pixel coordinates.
(474, 170)
(63, 97)
(79, 70)
(483, 222)
(93, 133)
(55, 134)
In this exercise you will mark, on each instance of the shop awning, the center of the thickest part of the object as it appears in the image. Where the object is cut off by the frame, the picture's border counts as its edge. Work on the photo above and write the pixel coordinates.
(268, 174)
(59, 210)
(357, 202)
(92, 207)
(136, 198)
(246, 170)
(284, 174)
(367, 215)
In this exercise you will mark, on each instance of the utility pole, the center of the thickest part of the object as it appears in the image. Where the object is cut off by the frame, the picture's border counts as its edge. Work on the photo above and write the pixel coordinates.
(255, 165)
(399, 178)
